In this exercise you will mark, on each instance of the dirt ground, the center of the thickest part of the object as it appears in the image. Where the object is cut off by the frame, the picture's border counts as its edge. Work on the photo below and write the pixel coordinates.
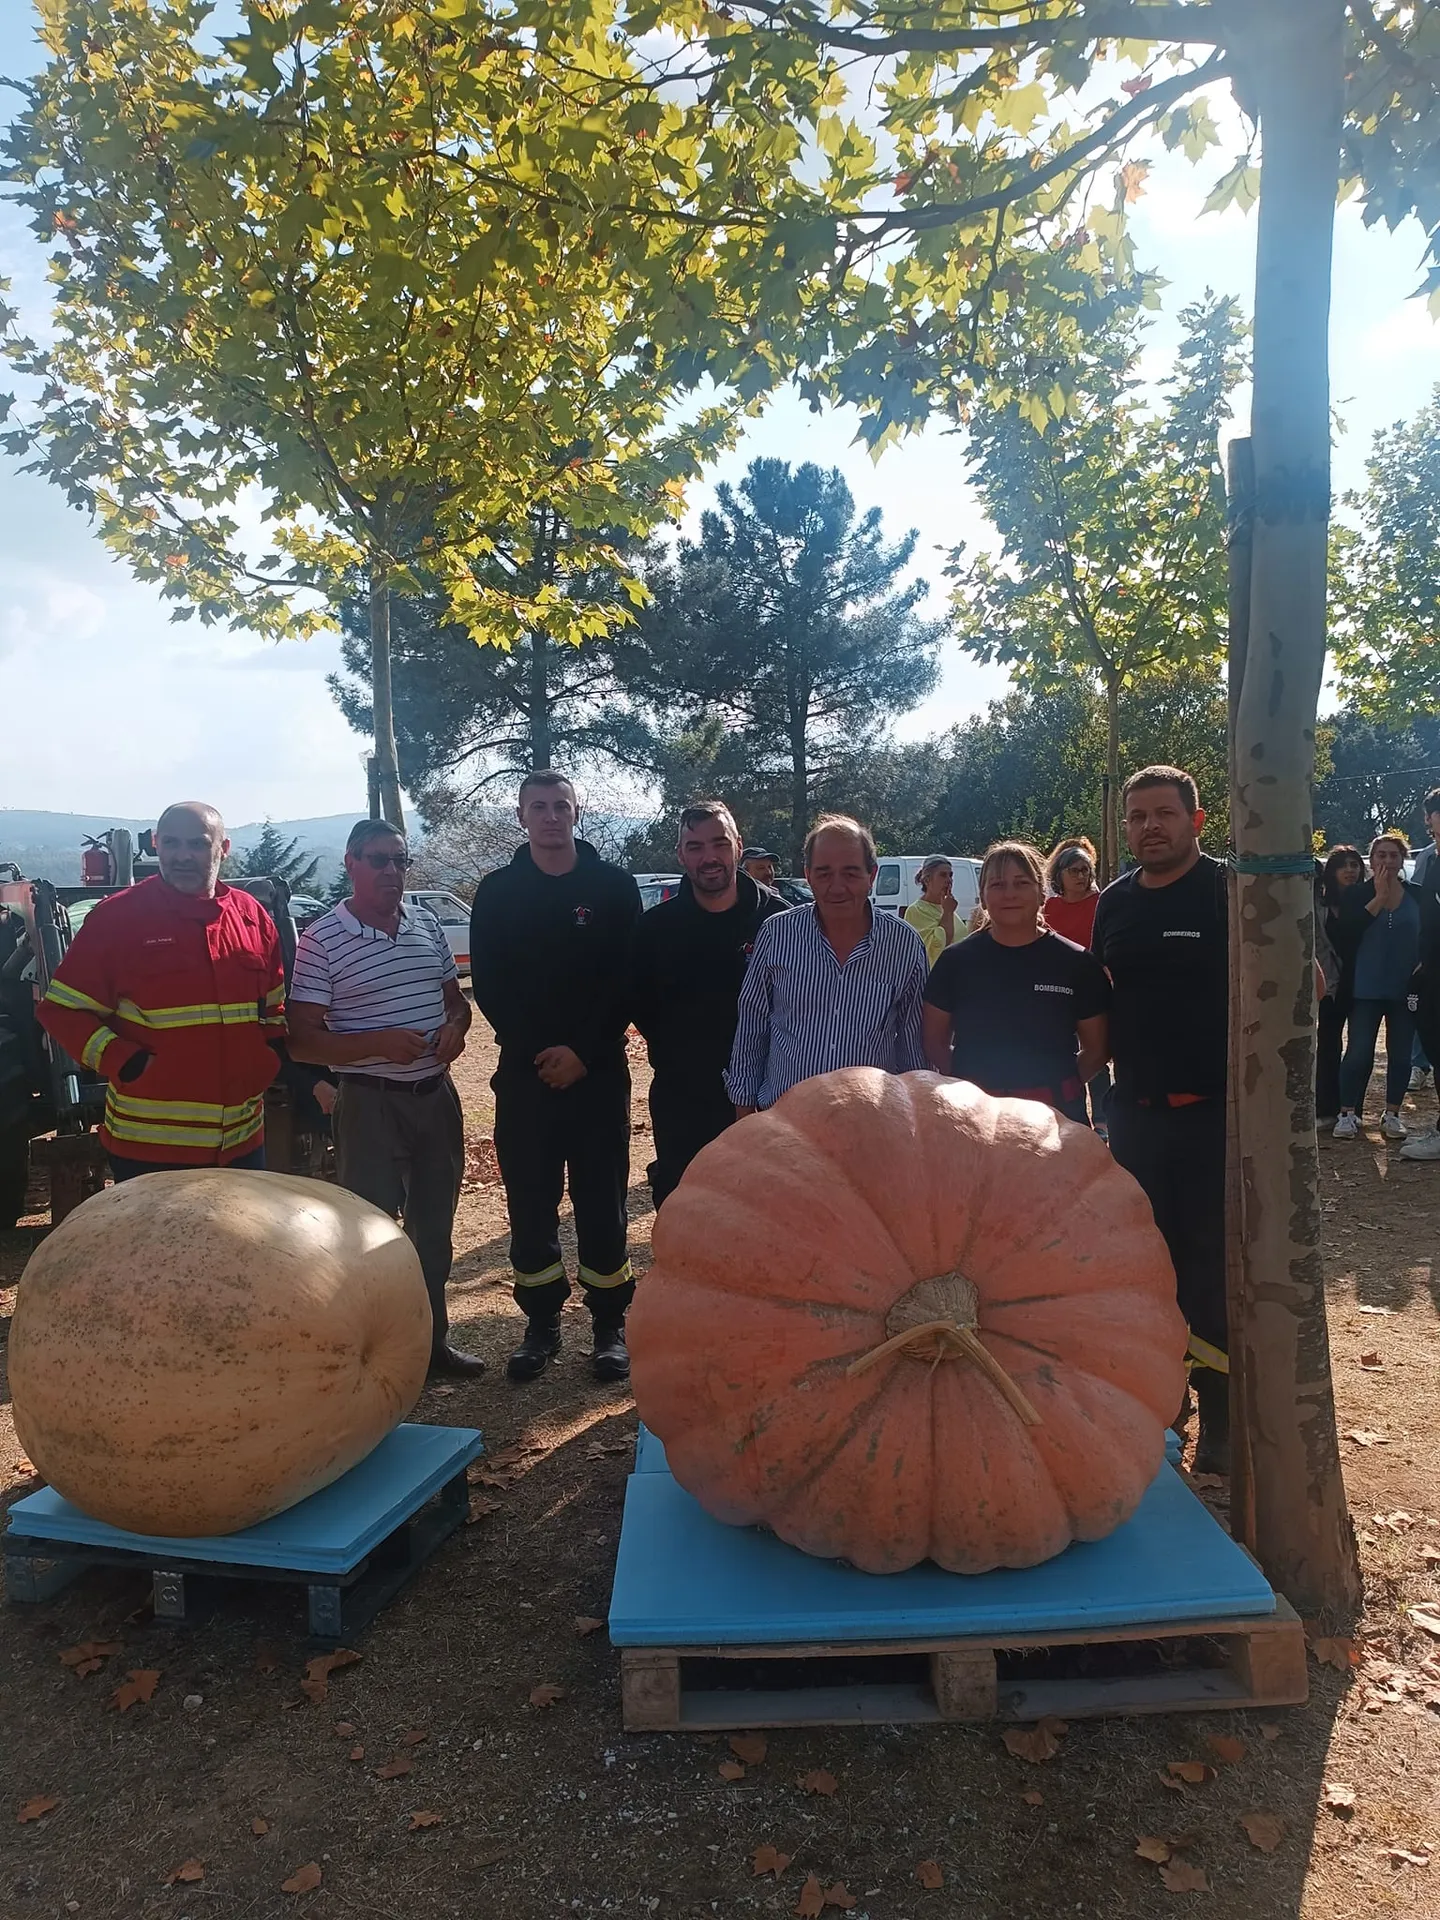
(554, 1813)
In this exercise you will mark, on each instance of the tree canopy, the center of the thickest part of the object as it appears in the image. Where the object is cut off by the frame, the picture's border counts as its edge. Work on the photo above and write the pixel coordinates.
(273, 857)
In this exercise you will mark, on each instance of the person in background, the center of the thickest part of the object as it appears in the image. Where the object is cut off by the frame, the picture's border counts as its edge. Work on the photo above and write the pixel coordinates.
(688, 959)
(760, 864)
(173, 992)
(830, 985)
(375, 997)
(1162, 933)
(550, 942)
(1427, 865)
(1343, 867)
(1071, 891)
(1380, 942)
(1018, 1009)
(1426, 1146)
(933, 914)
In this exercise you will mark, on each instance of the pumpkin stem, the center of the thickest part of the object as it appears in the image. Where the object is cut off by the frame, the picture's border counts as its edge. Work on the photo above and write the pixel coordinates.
(943, 1339)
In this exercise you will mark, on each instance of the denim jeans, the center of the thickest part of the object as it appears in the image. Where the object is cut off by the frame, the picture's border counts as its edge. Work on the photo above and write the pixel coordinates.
(1359, 1061)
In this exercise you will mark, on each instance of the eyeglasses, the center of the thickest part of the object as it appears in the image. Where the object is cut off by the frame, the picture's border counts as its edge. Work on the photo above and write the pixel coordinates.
(1083, 872)
(378, 862)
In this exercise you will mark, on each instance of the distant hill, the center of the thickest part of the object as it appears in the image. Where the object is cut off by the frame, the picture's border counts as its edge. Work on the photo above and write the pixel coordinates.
(46, 846)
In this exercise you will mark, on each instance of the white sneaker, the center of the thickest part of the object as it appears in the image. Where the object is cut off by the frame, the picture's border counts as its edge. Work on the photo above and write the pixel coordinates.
(1347, 1127)
(1419, 1079)
(1393, 1127)
(1424, 1146)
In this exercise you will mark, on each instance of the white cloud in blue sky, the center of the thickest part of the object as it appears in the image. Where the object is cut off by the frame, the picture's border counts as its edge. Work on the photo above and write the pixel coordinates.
(107, 707)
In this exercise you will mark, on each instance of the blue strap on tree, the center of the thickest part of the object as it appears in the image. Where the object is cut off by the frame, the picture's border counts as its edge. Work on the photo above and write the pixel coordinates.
(1294, 863)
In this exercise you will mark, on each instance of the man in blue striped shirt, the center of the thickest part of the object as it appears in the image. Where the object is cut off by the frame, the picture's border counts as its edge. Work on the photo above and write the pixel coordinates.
(833, 985)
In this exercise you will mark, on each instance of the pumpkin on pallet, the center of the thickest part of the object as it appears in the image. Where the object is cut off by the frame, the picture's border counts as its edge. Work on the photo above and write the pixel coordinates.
(893, 1319)
(193, 1352)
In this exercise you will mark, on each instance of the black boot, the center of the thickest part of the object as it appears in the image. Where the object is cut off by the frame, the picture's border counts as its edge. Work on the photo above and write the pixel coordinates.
(611, 1358)
(536, 1350)
(456, 1364)
(1212, 1446)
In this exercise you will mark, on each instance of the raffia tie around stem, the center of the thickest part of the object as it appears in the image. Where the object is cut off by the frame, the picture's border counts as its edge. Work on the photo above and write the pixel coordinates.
(936, 1321)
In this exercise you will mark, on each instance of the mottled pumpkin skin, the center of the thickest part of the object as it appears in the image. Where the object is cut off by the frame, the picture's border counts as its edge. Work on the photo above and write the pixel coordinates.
(791, 1238)
(193, 1352)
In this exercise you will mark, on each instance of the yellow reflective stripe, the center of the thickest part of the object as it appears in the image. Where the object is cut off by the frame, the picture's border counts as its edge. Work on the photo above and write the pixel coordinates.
(1200, 1353)
(200, 1111)
(275, 996)
(229, 1013)
(183, 1136)
(556, 1272)
(93, 1048)
(64, 995)
(589, 1278)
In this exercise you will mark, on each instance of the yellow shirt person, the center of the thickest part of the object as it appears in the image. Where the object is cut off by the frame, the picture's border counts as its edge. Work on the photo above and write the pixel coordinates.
(933, 914)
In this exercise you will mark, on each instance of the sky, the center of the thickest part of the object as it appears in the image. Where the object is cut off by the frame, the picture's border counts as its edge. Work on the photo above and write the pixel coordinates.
(105, 706)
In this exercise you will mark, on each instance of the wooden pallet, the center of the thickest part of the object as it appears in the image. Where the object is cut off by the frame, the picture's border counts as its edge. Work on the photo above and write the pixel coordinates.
(1182, 1668)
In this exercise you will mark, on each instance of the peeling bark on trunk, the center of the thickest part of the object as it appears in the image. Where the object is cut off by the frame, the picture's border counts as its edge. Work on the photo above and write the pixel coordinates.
(387, 766)
(1302, 1529)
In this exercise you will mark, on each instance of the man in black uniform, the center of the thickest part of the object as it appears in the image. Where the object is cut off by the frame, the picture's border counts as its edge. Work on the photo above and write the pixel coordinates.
(690, 955)
(1162, 934)
(549, 950)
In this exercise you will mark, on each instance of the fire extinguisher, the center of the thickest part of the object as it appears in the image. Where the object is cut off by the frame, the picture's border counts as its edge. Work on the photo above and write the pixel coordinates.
(97, 864)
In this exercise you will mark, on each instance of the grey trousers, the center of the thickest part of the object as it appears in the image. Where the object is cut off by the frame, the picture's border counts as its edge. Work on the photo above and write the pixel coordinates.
(405, 1153)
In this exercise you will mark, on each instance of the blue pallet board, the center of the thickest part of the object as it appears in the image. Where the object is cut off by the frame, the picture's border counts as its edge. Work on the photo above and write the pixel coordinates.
(650, 1451)
(331, 1532)
(683, 1579)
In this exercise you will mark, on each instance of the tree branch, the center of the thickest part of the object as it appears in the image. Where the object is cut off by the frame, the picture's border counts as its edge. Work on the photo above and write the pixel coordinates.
(1128, 20)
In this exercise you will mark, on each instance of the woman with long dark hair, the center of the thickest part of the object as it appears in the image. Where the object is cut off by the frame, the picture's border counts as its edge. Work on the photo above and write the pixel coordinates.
(1343, 867)
(1380, 925)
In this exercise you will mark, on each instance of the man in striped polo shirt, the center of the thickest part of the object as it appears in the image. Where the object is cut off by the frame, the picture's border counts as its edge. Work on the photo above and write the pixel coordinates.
(375, 996)
(833, 985)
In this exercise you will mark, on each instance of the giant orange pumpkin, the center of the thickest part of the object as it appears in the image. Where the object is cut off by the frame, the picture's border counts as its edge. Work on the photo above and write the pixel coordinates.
(193, 1352)
(894, 1319)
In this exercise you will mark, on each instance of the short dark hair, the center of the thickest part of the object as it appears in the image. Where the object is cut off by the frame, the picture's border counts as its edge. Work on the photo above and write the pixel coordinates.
(364, 831)
(842, 823)
(545, 777)
(699, 810)
(1431, 803)
(1163, 777)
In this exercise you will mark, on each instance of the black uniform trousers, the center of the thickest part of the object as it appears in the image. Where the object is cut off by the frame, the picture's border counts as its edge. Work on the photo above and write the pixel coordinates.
(541, 1135)
(687, 1112)
(1177, 1154)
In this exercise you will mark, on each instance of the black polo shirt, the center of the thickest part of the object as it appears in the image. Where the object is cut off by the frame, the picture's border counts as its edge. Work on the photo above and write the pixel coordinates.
(1167, 952)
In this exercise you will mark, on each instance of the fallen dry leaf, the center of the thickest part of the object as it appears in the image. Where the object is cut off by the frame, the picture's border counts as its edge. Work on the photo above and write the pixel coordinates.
(749, 1747)
(1430, 1556)
(837, 1894)
(89, 1656)
(1382, 1313)
(1339, 1797)
(1175, 1786)
(416, 1737)
(357, 1753)
(811, 1903)
(1226, 1748)
(139, 1685)
(187, 1873)
(929, 1875)
(1035, 1744)
(1335, 1650)
(1399, 1522)
(1180, 1877)
(769, 1859)
(586, 1623)
(1365, 1437)
(424, 1819)
(259, 1826)
(546, 1694)
(1193, 1772)
(1033, 1798)
(480, 1508)
(1371, 1362)
(1403, 1857)
(304, 1879)
(1150, 1846)
(394, 1768)
(37, 1808)
(731, 1770)
(344, 1729)
(1426, 1617)
(1270, 1730)
(820, 1781)
(318, 1670)
(1266, 1830)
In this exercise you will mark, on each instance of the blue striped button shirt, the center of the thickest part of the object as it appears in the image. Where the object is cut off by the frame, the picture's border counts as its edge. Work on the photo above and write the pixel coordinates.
(801, 1012)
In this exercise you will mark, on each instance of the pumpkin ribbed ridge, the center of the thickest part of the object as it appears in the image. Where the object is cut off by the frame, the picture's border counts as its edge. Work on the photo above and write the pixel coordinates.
(806, 1239)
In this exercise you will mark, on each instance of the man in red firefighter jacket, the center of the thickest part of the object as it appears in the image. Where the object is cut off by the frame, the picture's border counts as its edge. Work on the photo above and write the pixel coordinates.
(173, 991)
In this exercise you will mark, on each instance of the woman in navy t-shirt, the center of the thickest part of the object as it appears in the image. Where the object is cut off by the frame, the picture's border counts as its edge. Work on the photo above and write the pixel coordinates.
(1015, 1008)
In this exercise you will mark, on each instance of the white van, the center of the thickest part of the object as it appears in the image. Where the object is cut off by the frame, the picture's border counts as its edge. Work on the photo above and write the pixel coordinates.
(454, 917)
(897, 882)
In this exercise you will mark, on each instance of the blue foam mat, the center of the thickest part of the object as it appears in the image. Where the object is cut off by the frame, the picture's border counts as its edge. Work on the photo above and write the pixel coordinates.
(650, 1451)
(683, 1579)
(331, 1532)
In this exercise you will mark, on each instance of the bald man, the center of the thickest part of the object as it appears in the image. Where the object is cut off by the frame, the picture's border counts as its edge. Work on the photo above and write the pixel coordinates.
(173, 993)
